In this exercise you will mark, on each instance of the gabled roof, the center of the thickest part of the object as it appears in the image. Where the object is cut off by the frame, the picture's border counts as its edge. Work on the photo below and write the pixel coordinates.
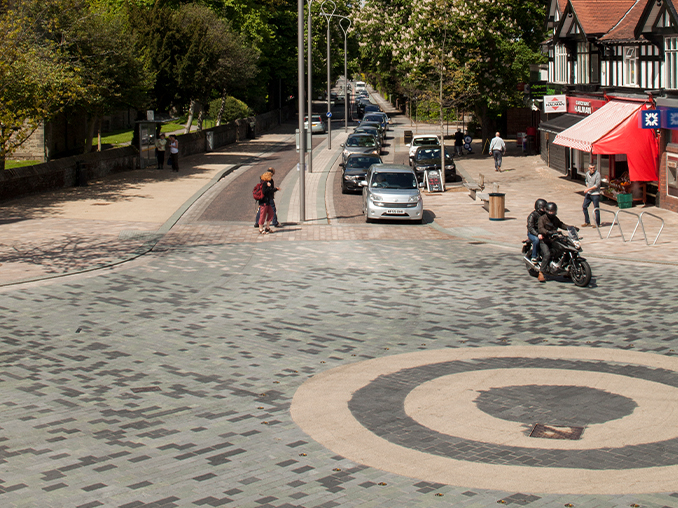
(651, 13)
(598, 16)
(625, 29)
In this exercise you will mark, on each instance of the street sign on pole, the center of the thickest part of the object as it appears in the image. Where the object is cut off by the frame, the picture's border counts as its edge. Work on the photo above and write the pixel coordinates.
(328, 114)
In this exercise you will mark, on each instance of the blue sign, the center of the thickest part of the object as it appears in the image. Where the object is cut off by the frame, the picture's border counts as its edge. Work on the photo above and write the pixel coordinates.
(650, 119)
(329, 114)
(669, 118)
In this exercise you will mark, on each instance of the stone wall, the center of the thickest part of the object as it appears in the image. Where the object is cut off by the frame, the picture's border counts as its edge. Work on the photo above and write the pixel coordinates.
(66, 172)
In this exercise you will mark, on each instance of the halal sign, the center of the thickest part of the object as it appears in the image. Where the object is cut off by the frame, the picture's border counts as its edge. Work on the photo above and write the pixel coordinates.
(555, 104)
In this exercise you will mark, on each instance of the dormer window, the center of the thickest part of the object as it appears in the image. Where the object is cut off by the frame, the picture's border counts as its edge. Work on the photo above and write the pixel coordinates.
(560, 64)
(583, 63)
(671, 62)
(630, 66)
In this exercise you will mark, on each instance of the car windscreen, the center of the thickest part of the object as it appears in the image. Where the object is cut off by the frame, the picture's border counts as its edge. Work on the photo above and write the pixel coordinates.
(424, 141)
(370, 125)
(393, 181)
(424, 154)
(361, 162)
(360, 141)
(373, 118)
(368, 130)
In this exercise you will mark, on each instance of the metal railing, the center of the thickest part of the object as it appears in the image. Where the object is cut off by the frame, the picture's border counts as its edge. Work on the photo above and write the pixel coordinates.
(639, 222)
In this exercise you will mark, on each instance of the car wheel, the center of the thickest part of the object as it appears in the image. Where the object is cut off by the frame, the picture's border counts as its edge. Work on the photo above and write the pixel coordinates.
(344, 190)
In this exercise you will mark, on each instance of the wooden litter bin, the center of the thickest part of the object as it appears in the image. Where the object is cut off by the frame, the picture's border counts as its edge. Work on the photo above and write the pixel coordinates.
(407, 138)
(497, 205)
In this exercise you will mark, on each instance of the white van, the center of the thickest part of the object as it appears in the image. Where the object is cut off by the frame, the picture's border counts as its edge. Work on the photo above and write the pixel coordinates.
(359, 86)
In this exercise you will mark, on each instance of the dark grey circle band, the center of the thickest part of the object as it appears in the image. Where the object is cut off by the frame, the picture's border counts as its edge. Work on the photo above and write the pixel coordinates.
(379, 407)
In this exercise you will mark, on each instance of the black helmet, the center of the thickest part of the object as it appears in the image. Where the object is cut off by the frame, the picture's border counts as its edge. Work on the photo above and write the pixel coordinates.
(551, 208)
(539, 204)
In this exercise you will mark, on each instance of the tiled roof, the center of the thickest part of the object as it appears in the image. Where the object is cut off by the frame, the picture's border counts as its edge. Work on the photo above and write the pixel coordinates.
(600, 16)
(624, 30)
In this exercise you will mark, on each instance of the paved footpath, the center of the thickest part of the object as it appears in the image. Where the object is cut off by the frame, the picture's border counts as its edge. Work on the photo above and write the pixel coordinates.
(184, 363)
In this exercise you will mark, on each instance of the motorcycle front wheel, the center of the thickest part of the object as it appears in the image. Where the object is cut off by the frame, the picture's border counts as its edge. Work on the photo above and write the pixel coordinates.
(580, 271)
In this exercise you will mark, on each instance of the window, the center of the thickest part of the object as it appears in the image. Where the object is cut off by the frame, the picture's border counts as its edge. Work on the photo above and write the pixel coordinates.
(583, 63)
(595, 68)
(560, 61)
(630, 66)
(671, 61)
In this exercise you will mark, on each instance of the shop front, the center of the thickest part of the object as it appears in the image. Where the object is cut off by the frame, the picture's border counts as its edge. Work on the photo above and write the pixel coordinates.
(611, 137)
(667, 190)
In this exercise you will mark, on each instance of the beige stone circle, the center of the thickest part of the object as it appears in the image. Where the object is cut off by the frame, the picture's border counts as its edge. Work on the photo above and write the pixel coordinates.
(320, 408)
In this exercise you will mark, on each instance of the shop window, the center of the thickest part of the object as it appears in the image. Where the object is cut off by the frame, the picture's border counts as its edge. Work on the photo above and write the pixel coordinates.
(630, 66)
(583, 63)
(560, 64)
(672, 170)
(671, 62)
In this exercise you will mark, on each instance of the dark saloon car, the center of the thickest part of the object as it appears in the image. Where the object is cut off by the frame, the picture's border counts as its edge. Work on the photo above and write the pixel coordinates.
(428, 157)
(355, 169)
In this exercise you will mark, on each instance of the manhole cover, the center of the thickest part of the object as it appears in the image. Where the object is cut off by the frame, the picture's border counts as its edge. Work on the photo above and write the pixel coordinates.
(556, 432)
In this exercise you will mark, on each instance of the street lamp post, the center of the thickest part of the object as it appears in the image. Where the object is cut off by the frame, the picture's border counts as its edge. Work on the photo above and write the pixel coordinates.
(329, 104)
(300, 94)
(310, 86)
(345, 30)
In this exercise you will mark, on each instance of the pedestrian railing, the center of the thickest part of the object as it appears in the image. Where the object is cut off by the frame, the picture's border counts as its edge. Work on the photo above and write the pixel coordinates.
(639, 222)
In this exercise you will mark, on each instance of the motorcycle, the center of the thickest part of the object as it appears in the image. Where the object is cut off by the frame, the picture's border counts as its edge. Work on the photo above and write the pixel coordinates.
(566, 258)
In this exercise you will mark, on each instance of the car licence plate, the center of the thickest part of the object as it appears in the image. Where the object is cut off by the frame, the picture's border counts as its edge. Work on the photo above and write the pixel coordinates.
(396, 212)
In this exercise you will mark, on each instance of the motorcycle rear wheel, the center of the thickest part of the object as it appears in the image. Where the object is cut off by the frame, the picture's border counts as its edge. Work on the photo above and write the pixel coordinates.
(580, 271)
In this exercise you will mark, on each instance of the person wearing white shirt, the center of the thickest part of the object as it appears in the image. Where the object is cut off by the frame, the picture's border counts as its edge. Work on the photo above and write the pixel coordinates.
(497, 149)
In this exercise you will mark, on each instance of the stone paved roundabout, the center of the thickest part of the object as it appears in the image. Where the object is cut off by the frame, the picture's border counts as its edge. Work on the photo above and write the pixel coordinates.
(345, 373)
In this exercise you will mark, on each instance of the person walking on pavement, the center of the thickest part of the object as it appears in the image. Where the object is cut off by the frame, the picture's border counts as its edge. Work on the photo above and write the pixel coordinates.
(174, 152)
(497, 149)
(458, 142)
(547, 226)
(160, 148)
(275, 222)
(265, 210)
(533, 224)
(592, 195)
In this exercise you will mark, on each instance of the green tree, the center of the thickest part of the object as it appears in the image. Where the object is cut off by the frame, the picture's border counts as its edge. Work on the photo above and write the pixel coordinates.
(36, 81)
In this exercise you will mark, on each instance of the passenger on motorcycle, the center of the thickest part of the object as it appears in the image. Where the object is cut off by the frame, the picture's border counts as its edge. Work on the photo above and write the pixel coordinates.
(547, 226)
(532, 223)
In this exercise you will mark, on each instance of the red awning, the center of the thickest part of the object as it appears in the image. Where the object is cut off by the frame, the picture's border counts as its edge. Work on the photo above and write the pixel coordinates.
(584, 134)
(614, 129)
(640, 146)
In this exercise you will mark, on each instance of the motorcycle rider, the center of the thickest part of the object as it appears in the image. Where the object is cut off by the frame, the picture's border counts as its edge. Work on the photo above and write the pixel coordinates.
(547, 226)
(532, 223)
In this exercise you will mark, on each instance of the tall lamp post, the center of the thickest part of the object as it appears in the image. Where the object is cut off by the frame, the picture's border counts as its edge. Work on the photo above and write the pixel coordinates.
(329, 84)
(300, 101)
(310, 84)
(345, 30)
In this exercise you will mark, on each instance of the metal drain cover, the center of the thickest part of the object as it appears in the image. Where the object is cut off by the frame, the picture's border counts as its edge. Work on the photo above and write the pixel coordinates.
(556, 432)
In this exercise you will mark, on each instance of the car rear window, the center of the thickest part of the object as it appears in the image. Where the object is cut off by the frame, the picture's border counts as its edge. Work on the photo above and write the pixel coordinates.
(393, 181)
(424, 154)
(360, 141)
(361, 162)
(424, 141)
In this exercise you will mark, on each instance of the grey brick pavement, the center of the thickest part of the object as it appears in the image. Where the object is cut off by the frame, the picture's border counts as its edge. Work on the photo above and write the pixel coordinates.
(219, 337)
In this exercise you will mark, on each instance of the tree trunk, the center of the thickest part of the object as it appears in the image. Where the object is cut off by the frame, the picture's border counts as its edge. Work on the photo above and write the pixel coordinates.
(220, 114)
(189, 122)
(481, 112)
(90, 133)
(2, 162)
(99, 135)
(201, 117)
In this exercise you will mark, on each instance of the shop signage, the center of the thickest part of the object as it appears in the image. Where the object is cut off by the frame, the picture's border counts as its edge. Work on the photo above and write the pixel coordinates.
(669, 118)
(580, 106)
(555, 103)
(649, 119)
(538, 89)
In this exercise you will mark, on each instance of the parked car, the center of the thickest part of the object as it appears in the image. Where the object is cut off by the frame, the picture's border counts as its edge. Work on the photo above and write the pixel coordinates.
(378, 126)
(361, 103)
(428, 157)
(317, 124)
(359, 143)
(422, 140)
(370, 129)
(369, 108)
(355, 169)
(376, 117)
(391, 191)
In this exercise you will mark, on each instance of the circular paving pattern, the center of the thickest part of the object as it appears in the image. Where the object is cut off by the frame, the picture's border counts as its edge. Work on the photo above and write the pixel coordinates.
(464, 416)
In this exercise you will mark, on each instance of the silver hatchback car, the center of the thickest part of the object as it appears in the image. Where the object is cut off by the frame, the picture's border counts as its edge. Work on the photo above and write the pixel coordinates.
(391, 191)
